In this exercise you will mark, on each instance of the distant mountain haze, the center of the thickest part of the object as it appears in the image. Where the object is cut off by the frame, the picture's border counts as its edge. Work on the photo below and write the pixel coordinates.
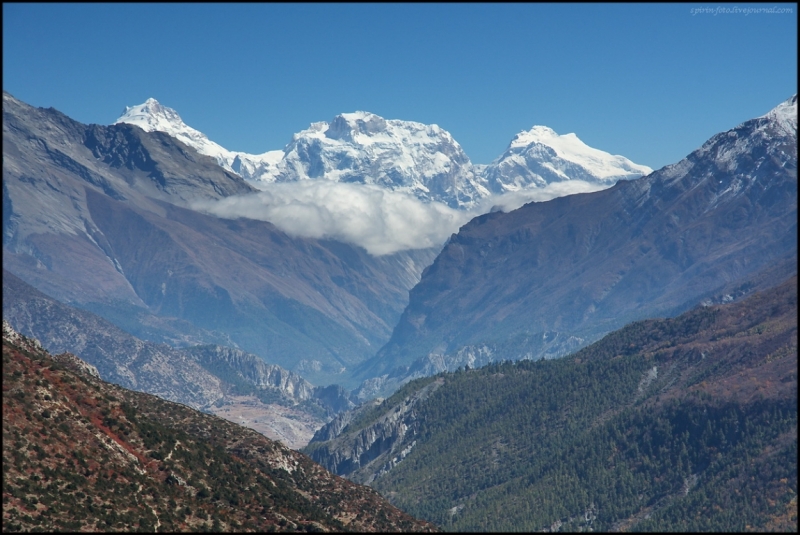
(159, 230)
(221, 380)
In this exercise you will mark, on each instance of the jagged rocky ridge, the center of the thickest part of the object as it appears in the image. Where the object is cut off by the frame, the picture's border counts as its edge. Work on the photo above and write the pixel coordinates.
(524, 346)
(363, 453)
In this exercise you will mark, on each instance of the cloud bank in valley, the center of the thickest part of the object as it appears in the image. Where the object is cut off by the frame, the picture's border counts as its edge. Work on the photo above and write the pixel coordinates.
(379, 220)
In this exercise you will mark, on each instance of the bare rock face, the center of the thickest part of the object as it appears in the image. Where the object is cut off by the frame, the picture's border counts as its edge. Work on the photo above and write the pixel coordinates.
(367, 442)
(722, 221)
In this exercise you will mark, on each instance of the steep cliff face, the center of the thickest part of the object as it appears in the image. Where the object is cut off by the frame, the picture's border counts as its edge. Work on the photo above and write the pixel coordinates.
(370, 441)
(253, 370)
(250, 372)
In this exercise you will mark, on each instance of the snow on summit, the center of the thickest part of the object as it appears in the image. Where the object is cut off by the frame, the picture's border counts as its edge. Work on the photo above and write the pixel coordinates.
(422, 160)
(539, 158)
(405, 156)
(600, 164)
(152, 116)
(784, 115)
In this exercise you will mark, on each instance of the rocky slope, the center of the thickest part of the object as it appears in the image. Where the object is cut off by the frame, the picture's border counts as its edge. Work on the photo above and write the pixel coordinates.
(367, 442)
(686, 424)
(84, 455)
(721, 221)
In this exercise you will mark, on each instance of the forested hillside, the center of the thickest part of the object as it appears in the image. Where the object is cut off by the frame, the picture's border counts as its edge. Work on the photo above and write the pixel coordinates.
(674, 424)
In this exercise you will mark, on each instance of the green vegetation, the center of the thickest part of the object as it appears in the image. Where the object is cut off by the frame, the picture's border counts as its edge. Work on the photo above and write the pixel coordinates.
(686, 424)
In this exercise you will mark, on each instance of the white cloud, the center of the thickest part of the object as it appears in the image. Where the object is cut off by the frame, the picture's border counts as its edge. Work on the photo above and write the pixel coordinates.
(379, 220)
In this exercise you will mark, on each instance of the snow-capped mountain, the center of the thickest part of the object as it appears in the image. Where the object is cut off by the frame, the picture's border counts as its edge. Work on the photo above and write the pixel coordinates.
(720, 223)
(152, 116)
(406, 156)
(361, 147)
(540, 157)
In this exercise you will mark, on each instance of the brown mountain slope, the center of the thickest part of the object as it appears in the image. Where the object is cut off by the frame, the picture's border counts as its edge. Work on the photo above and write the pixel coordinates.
(82, 454)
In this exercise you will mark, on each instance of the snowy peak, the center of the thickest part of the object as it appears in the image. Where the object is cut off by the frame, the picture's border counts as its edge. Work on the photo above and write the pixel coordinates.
(151, 116)
(538, 157)
(569, 147)
(406, 156)
(360, 122)
(754, 156)
(784, 115)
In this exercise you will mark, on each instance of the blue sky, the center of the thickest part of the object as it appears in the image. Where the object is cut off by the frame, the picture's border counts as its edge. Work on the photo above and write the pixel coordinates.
(650, 82)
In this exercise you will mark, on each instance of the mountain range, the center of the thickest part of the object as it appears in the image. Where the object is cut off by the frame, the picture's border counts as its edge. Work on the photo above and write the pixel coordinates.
(102, 218)
(555, 275)
(112, 252)
(98, 217)
(406, 156)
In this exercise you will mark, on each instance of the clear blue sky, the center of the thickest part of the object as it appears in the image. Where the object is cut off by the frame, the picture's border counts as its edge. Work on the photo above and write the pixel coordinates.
(650, 82)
